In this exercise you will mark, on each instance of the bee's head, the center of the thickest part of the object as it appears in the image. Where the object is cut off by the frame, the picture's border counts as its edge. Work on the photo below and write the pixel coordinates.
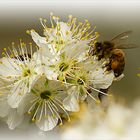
(98, 46)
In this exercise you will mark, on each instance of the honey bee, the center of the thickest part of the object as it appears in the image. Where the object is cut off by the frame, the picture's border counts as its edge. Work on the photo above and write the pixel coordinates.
(112, 51)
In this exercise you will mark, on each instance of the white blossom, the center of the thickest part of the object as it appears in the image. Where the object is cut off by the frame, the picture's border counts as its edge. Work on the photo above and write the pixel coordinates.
(19, 71)
(44, 104)
(88, 79)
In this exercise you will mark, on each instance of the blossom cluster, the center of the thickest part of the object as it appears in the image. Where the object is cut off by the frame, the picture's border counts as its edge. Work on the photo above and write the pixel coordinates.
(44, 83)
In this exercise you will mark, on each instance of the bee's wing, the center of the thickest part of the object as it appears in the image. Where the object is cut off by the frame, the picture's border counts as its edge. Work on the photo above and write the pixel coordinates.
(126, 46)
(120, 37)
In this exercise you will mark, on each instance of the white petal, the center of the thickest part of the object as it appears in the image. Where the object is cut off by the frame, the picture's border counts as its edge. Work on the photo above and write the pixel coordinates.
(63, 30)
(40, 41)
(42, 44)
(46, 48)
(32, 81)
(77, 51)
(70, 103)
(17, 94)
(51, 74)
(9, 67)
(25, 104)
(4, 108)
(48, 123)
(101, 79)
(83, 97)
(14, 119)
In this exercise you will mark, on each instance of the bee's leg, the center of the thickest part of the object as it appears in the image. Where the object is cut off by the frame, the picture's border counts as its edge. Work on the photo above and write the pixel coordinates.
(100, 56)
(107, 66)
(100, 95)
(105, 101)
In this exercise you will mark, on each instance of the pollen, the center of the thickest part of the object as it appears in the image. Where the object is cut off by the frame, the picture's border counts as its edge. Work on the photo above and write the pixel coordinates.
(29, 113)
(77, 30)
(33, 120)
(28, 32)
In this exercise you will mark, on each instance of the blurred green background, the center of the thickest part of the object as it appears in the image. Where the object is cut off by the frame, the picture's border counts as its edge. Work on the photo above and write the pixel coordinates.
(110, 17)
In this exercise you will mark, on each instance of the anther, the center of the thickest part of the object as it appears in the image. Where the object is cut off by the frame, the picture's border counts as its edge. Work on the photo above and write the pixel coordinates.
(28, 32)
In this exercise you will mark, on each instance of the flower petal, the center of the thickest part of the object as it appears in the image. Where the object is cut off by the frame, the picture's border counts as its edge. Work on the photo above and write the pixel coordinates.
(14, 119)
(70, 103)
(50, 73)
(77, 51)
(4, 108)
(101, 79)
(40, 41)
(17, 94)
(25, 104)
(9, 67)
(48, 123)
(64, 28)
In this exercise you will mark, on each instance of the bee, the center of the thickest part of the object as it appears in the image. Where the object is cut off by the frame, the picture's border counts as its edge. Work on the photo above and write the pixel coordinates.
(112, 51)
